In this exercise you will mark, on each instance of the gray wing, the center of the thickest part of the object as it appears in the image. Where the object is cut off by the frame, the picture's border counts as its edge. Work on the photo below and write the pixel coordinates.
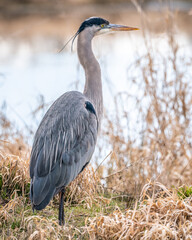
(63, 146)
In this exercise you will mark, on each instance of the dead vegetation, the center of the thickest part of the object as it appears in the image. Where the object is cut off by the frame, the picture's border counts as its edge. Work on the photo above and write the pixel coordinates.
(160, 216)
(150, 132)
(16, 217)
(142, 189)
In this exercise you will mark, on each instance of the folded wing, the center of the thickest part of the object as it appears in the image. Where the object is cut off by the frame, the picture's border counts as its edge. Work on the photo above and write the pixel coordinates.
(63, 146)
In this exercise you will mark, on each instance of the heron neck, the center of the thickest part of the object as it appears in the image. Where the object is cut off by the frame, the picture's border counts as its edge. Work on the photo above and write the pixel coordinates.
(93, 84)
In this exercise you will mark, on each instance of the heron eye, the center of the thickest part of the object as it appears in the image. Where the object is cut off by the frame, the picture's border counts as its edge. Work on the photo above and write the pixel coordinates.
(102, 25)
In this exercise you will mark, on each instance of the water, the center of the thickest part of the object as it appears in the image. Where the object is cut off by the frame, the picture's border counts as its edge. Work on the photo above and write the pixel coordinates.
(26, 74)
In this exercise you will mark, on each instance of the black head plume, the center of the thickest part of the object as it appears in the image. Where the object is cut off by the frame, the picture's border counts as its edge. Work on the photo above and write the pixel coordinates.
(92, 21)
(87, 23)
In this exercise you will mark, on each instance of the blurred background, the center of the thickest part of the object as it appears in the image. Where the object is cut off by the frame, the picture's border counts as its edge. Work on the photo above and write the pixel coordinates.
(147, 126)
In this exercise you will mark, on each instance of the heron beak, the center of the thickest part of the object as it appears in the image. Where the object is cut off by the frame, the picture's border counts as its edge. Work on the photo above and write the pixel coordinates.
(115, 27)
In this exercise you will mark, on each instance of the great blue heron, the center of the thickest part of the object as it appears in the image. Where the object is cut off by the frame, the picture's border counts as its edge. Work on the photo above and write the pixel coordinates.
(66, 137)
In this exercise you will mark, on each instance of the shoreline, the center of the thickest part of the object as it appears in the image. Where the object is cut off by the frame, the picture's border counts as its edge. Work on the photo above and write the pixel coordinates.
(65, 24)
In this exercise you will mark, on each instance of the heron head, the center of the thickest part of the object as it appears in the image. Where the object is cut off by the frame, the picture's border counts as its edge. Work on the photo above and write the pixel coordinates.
(98, 26)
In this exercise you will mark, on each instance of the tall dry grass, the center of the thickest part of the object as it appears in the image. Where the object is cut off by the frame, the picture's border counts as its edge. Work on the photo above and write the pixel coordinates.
(160, 216)
(135, 192)
(150, 132)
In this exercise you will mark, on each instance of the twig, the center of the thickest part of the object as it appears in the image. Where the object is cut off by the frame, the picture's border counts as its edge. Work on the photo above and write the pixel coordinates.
(125, 168)
(103, 161)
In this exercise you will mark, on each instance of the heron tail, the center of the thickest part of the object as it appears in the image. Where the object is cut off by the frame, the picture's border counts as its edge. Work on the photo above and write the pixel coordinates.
(41, 192)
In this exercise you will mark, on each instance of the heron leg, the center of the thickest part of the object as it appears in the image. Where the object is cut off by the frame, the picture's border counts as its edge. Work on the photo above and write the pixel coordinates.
(61, 207)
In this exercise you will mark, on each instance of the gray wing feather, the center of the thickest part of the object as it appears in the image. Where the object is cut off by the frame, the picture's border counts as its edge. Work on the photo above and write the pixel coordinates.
(63, 145)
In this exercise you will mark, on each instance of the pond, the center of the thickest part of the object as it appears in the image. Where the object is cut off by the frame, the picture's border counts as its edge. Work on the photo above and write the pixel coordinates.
(33, 73)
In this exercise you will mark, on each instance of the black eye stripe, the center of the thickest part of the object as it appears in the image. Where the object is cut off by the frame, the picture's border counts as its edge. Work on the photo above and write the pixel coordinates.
(92, 21)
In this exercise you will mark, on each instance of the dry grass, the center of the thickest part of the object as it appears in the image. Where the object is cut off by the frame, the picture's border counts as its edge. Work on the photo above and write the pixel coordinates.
(150, 132)
(14, 175)
(17, 221)
(85, 189)
(16, 217)
(150, 138)
(160, 216)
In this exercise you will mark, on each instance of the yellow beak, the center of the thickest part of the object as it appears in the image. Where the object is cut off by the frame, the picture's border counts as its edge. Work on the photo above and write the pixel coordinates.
(115, 27)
